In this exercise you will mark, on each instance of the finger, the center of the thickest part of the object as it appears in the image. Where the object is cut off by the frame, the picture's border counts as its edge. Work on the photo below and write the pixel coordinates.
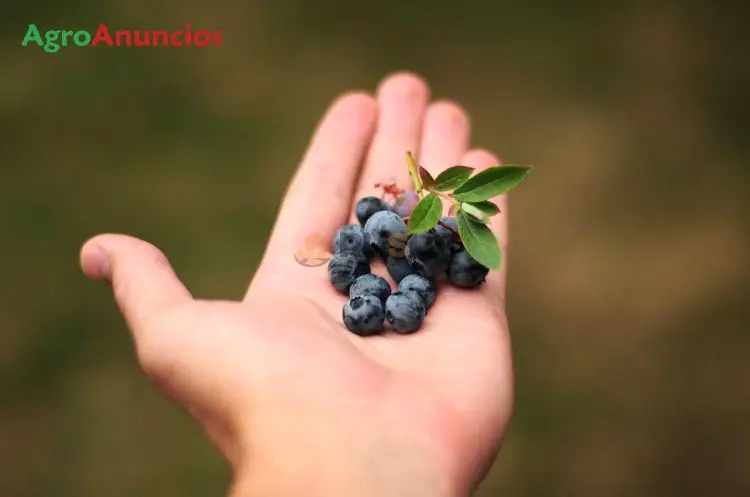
(445, 138)
(179, 358)
(481, 160)
(320, 195)
(144, 284)
(402, 100)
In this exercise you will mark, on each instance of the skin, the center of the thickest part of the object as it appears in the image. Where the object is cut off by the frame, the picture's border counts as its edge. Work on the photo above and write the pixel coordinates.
(293, 392)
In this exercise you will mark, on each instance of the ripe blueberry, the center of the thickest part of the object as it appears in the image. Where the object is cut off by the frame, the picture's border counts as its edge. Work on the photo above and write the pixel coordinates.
(380, 227)
(364, 315)
(344, 268)
(404, 312)
(405, 203)
(370, 284)
(451, 237)
(421, 286)
(367, 206)
(466, 272)
(429, 254)
(351, 238)
(398, 268)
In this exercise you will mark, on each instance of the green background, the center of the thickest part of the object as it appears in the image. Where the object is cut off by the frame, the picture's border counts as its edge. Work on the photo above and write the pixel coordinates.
(629, 265)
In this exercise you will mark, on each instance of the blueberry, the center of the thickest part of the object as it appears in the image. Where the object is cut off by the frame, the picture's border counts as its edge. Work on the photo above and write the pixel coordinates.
(445, 233)
(404, 312)
(429, 254)
(454, 242)
(364, 315)
(421, 286)
(367, 206)
(351, 238)
(405, 203)
(370, 284)
(465, 271)
(398, 268)
(455, 247)
(380, 227)
(344, 268)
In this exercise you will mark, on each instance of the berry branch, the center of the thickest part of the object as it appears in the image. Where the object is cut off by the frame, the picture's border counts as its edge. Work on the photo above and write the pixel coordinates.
(416, 254)
(414, 173)
(469, 197)
(448, 227)
(441, 223)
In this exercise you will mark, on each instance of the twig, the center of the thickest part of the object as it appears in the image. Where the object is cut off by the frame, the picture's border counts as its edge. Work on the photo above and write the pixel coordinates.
(441, 223)
(448, 227)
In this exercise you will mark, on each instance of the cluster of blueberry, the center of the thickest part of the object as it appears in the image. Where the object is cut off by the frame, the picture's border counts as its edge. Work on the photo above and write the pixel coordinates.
(416, 262)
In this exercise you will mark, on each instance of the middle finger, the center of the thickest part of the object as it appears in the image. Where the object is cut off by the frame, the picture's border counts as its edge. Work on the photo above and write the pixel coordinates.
(402, 100)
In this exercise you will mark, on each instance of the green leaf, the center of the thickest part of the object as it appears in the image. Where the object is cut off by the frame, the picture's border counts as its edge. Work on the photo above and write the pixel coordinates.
(426, 177)
(452, 178)
(475, 213)
(479, 241)
(487, 207)
(491, 183)
(426, 214)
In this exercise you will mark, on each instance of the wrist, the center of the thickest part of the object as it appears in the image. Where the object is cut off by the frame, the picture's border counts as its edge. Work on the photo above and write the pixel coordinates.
(316, 478)
(364, 463)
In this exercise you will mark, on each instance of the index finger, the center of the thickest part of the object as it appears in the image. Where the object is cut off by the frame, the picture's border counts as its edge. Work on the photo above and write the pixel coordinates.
(319, 197)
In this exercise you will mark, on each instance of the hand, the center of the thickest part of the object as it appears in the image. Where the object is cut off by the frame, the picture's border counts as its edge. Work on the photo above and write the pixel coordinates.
(298, 404)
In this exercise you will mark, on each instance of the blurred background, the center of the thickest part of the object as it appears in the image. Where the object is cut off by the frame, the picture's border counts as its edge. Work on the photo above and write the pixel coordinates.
(629, 266)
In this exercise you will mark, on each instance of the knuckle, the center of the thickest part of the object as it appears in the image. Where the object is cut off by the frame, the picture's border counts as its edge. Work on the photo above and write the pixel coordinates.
(153, 253)
(156, 354)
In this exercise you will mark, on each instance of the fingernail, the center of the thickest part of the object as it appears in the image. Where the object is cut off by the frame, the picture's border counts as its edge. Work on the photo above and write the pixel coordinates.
(100, 260)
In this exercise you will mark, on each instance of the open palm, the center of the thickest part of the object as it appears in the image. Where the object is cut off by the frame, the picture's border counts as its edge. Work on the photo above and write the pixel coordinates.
(278, 373)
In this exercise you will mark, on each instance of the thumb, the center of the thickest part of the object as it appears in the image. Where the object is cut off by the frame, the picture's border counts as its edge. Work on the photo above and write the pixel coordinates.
(142, 279)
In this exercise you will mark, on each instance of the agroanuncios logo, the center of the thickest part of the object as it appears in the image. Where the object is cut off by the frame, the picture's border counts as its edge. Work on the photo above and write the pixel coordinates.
(53, 39)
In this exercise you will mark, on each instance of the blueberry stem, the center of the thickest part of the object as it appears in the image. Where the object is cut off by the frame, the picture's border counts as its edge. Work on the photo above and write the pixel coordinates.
(414, 173)
(441, 223)
(448, 227)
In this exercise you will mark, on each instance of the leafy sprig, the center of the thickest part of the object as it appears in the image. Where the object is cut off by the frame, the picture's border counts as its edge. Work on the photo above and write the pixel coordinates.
(469, 198)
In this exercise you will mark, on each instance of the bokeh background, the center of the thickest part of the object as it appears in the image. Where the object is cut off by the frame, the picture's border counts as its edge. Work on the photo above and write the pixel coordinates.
(629, 269)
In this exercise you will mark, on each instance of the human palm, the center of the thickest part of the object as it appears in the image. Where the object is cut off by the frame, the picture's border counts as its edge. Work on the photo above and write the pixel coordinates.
(278, 374)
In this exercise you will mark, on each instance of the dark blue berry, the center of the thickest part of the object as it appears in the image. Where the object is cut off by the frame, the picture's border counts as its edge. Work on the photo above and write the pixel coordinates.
(466, 272)
(351, 238)
(451, 237)
(364, 315)
(445, 232)
(398, 268)
(370, 284)
(404, 311)
(344, 268)
(405, 203)
(367, 206)
(429, 254)
(379, 228)
(421, 286)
